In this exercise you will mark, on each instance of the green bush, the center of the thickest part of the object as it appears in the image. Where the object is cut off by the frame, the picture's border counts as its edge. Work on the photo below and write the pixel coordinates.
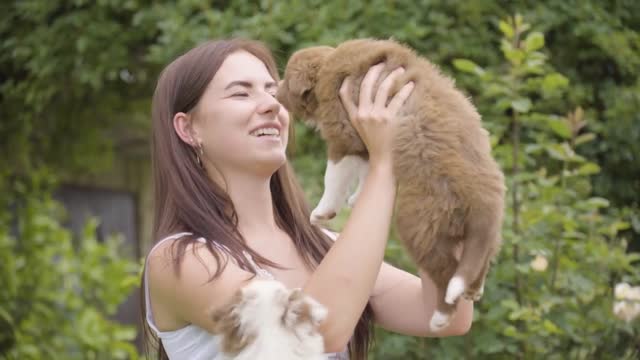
(78, 81)
(58, 295)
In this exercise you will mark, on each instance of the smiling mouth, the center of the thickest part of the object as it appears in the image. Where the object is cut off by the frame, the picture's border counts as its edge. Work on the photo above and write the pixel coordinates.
(271, 132)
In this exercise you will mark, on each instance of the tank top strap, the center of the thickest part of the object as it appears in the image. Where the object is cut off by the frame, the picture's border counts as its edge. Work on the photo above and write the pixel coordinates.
(147, 301)
(257, 269)
(149, 314)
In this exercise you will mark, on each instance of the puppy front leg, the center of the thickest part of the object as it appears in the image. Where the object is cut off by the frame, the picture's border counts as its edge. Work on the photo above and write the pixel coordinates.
(338, 178)
(363, 169)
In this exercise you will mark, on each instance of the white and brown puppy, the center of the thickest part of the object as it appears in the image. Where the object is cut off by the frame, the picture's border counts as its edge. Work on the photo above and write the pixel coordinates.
(267, 321)
(450, 189)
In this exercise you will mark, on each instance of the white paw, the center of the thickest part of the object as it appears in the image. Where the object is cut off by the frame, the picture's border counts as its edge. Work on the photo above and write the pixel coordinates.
(454, 289)
(319, 216)
(352, 199)
(318, 312)
(439, 321)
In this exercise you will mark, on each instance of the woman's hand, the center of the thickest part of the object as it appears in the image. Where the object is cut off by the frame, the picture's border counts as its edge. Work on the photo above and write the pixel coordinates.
(372, 118)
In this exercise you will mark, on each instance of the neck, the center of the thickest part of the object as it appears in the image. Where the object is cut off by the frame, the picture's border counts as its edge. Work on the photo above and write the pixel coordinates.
(253, 202)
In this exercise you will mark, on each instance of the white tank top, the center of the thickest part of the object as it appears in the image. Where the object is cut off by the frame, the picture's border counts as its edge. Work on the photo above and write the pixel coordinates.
(193, 342)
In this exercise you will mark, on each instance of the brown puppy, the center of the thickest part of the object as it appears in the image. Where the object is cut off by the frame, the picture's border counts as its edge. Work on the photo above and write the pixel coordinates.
(450, 189)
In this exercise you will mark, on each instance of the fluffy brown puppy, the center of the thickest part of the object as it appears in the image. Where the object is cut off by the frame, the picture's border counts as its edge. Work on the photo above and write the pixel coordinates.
(450, 189)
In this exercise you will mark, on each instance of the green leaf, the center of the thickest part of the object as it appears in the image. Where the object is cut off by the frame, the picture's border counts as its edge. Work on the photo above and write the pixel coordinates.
(557, 152)
(584, 138)
(515, 56)
(589, 169)
(551, 327)
(468, 66)
(6, 316)
(506, 29)
(560, 127)
(598, 202)
(522, 105)
(125, 333)
(534, 41)
(620, 225)
(554, 82)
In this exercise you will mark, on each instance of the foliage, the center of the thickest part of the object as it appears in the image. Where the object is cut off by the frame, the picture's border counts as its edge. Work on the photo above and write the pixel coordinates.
(77, 78)
(58, 296)
(80, 72)
(68, 85)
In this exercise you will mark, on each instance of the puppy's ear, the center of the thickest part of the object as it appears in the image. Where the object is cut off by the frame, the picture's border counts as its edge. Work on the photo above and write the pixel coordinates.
(301, 84)
(225, 319)
(296, 294)
(307, 64)
(293, 308)
(226, 323)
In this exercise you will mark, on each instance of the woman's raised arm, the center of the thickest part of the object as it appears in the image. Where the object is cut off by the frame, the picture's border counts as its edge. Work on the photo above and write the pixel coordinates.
(344, 280)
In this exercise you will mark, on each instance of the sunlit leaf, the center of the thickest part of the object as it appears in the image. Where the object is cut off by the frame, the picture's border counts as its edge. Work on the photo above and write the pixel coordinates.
(534, 41)
(553, 82)
(589, 169)
(468, 66)
(506, 29)
(584, 138)
(522, 105)
(561, 128)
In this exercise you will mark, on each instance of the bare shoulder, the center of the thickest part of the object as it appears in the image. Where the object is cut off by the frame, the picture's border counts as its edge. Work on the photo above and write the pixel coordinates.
(190, 294)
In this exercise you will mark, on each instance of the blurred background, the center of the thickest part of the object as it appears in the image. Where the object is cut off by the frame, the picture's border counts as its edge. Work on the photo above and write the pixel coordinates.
(557, 83)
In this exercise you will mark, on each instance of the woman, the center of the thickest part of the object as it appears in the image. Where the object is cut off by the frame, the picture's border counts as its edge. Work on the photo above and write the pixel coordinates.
(228, 208)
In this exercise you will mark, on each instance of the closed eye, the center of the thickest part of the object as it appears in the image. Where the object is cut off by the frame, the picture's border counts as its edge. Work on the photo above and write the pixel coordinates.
(241, 94)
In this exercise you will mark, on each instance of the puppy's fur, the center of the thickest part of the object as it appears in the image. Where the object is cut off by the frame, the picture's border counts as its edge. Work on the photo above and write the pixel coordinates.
(450, 189)
(267, 321)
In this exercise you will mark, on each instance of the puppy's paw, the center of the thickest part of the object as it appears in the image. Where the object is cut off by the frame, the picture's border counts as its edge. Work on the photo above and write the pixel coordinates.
(303, 309)
(474, 294)
(320, 216)
(439, 321)
(352, 199)
(455, 288)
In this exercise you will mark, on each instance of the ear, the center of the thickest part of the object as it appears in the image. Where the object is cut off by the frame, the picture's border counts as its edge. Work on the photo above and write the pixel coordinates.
(301, 84)
(226, 323)
(183, 126)
(296, 294)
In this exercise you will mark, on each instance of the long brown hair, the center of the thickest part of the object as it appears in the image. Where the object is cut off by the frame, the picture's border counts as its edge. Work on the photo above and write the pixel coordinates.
(187, 200)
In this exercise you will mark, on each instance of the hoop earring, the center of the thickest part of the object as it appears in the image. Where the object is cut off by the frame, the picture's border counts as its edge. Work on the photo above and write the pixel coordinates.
(199, 153)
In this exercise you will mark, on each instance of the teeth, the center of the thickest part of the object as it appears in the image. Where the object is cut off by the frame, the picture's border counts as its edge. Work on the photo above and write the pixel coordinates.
(266, 131)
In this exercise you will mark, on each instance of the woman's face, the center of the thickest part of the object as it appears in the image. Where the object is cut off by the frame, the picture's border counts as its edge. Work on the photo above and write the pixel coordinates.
(241, 125)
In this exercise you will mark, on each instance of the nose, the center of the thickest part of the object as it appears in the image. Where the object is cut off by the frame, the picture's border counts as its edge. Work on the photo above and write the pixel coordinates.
(269, 105)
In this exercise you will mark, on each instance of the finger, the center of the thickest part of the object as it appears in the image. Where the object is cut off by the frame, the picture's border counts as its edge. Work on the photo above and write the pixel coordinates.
(383, 91)
(402, 96)
(366, 86)
(346, 96)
